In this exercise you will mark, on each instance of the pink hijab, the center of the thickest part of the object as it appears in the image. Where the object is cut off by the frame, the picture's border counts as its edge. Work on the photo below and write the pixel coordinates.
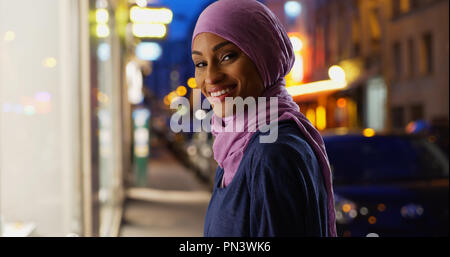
(252, 27)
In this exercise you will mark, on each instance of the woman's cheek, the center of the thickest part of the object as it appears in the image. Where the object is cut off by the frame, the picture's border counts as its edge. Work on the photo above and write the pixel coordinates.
(200, 84)
(240, 92)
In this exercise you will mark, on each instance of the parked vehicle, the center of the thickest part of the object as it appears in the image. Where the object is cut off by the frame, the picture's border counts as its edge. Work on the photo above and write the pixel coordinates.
(389, 185)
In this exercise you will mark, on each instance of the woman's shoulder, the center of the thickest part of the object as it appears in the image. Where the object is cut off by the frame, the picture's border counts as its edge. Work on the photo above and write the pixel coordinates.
(288, 138)
(289, 157)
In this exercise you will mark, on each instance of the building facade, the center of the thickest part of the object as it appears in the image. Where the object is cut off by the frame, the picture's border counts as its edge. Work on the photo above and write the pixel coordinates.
(394, 54)
(419, 61)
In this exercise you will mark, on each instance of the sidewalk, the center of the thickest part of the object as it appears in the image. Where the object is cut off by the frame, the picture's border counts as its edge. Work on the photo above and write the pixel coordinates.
(174, 204)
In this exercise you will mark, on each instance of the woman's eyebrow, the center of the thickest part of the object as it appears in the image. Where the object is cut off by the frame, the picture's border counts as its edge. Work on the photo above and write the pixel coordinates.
(215, 48)
(220, 45)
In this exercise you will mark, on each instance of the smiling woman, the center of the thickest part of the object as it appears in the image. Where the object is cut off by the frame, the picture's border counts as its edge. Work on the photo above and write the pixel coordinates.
(283, 188)
(224, 71)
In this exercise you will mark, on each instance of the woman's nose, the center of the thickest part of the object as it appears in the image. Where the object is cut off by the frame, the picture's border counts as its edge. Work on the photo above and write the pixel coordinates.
(214, 75)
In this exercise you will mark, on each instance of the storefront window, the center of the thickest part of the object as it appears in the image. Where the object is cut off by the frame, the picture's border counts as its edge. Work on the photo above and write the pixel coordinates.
(40, 185)
(106, 88)
(61, 153)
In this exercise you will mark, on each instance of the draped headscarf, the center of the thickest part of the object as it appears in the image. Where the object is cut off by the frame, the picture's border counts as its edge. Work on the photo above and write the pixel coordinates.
(253, 28)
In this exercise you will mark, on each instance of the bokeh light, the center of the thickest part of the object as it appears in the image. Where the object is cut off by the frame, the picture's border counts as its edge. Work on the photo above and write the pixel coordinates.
(149, 30)
(181, 90)
(341, 102)
(191, 83)
(381, 207)
(292, 8)
(101, 16)
(102, 30)
(369, 132)
(148, 51)
(9, 36)
(296, 42)
(336, 73)
(141, 3)
(49, 62)
(151, 15)
(104, 51)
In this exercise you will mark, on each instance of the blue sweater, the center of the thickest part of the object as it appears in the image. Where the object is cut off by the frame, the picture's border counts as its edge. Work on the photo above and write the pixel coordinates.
(278, 190)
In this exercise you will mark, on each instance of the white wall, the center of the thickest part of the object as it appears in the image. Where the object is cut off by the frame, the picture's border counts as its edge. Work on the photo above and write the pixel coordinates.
(39, 152)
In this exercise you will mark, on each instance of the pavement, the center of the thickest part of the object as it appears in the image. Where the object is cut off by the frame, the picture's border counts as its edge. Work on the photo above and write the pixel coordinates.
(173, 204)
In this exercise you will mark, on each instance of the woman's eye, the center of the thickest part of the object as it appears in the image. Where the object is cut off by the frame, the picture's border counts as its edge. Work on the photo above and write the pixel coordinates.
(228, 57)
(200, 64)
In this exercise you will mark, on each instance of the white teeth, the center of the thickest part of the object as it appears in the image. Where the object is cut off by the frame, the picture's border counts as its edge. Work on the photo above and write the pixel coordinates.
(219, 93)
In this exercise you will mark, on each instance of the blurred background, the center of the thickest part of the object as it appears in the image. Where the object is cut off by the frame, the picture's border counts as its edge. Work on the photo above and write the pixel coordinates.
(85, 89)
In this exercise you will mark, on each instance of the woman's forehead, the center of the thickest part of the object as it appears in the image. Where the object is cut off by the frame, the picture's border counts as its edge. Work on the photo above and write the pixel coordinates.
(207, 38)
(209, 42)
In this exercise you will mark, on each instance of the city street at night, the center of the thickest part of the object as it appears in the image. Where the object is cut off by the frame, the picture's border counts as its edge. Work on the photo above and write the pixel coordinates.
(224, 119)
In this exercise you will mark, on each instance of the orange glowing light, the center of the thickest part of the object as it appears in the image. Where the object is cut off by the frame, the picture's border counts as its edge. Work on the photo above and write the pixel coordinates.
(321, 119)
(191, 83)
(315, 87)
(368, 132)
(346, 207)
(172, 95)
(341, 102)
(166, 100)
(181, 91)
(410, 127)
(311, 116)
(381, 207)
(372, 220)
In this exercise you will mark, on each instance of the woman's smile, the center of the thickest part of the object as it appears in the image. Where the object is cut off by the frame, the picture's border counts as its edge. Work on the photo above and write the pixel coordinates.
(222, 92)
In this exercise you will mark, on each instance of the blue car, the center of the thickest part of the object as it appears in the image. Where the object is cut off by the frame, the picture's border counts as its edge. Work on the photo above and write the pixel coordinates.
(389, 185)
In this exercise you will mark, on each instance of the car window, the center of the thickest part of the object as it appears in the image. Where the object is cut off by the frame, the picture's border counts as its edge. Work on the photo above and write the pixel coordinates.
(357, 159)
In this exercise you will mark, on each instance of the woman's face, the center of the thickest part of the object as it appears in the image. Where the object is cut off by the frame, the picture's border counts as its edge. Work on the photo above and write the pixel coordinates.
(223, 70)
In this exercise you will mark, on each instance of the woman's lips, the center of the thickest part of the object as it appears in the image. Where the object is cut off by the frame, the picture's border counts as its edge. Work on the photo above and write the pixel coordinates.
(221, 94)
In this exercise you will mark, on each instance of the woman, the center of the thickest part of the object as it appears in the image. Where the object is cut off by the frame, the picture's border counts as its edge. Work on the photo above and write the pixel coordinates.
(283, 188)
